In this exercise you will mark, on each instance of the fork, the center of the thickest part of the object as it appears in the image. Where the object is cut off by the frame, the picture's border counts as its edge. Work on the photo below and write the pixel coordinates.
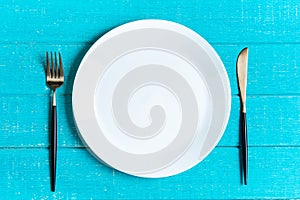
(54, 79)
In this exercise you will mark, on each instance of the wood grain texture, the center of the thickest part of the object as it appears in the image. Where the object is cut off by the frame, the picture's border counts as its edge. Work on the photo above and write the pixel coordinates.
(272, 68)
(271, 30)
(270, 121)
(218, 21)
(274, 173)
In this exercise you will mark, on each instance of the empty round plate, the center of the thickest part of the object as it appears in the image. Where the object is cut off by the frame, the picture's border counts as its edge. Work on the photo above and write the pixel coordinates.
(151, 98)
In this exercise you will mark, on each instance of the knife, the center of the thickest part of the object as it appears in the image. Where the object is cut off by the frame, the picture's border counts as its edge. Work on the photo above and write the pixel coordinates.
(242, 68)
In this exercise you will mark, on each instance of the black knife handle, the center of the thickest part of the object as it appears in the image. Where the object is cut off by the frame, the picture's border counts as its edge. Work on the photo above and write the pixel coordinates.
(245, 147)
(53, 148)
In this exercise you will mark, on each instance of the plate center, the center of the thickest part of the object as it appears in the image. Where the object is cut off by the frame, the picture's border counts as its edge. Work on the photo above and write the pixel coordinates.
(142, 97)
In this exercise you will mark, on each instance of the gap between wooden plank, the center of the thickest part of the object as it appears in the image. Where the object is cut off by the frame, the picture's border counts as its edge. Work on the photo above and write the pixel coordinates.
(232, 95)
(91, 43)
(82, 147)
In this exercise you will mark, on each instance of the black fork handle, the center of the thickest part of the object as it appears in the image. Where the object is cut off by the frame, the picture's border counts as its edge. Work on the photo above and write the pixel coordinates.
(53, 148)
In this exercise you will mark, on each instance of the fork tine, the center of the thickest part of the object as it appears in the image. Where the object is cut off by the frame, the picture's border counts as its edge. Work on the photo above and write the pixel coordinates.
(48, 65)
(56, 65)
(52, 66)
(61, 70)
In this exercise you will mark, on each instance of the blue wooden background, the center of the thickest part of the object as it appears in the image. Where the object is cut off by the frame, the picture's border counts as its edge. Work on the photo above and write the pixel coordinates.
(271, 30)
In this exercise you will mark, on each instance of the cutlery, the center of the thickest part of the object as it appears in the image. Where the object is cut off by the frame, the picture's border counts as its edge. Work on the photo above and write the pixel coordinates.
(54, 79)
(242, 67)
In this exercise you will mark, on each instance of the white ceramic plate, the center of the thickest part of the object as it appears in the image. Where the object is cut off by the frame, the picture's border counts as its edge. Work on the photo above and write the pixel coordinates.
(151, 98)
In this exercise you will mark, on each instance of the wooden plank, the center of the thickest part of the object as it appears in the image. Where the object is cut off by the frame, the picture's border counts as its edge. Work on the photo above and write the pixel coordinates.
(272, 68)
(217, 21)
(28, 65)
(217, 177)
(273, 173)
(26, 121)
(25, 175)
(272, 121)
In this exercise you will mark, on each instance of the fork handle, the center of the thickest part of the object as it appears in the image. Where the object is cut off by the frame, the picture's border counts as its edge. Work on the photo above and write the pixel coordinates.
(245, 147)
(53, 148)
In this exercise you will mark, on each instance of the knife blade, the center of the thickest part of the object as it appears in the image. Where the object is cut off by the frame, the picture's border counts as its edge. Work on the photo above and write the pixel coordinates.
(242, 70)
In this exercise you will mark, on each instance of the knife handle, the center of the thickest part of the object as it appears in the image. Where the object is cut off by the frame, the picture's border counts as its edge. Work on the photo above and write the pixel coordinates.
(245, 147)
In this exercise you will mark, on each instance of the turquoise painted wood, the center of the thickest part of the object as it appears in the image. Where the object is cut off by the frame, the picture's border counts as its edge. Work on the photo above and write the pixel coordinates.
(274, 68)
(223, 21)
(80, 176)
(270, 29)
(272, 121)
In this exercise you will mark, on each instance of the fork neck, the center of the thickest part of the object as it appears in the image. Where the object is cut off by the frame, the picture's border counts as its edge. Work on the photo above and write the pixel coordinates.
(54, 98)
